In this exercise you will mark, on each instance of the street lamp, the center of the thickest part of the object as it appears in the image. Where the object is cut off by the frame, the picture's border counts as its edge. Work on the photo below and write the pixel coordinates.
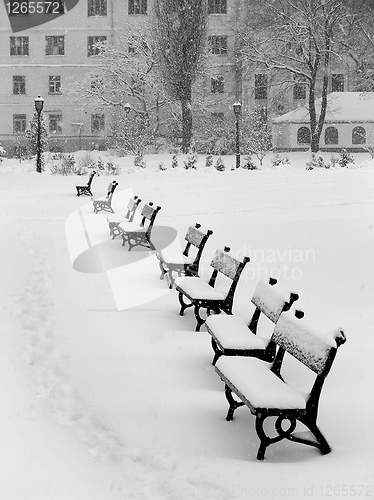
(39, 103)
(237, 108)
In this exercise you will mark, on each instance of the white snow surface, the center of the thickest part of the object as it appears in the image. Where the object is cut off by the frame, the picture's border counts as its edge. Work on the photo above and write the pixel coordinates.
(102, 404)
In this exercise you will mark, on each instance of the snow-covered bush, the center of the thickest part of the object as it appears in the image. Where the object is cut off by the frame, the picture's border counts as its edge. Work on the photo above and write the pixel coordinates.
(174, 161)
(345, 159)
(209, 161)
(2, 153)
(65, 165)
(84, 163)
(191, 161)
(139, 160)
(278, 160)
(161, 167)
(334, 160)
(248, 164)
(317, 163)
(219, 165)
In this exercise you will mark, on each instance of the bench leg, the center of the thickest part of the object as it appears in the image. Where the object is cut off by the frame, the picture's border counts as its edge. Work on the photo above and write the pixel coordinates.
(217, 352)
(320, 441)
(265, 440)
(183, 304)
(233, 404)
(199, 319)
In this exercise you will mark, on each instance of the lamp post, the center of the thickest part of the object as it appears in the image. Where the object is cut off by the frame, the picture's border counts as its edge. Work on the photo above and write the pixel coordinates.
(39, 103)
(237, 108)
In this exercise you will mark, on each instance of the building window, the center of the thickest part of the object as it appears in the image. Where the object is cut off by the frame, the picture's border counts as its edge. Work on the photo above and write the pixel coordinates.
(19, 45)
(299, 87)
(55, 84)
(218, 44)
(217, 85)
(19, 84)
(55, 45)
(97, 7)
(137, 6)
(261, 84)
(93, 45)
(19, 124)
(97, 122)
(337, 83)
(359, 135)
(303, 135)
(331, 135)
(217, 7)
(55, 121)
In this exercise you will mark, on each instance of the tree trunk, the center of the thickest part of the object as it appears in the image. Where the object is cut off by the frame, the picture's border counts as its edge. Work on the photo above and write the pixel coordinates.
(186, 125)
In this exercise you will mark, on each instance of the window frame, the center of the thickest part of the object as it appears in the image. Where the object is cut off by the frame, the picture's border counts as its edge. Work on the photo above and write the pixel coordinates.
(19, 118)
(217, 84)
(53, 119)
(337, 79)
(299, 88)
(217, 6)
(97, 118)
(25, 46)
(329, 138)
(303, 131)
(218, 44)
(19, 82)
(97, 8)
(360, 136)
(137, 7)
(54, 81)
(59, 44)
(261, 91)
(93, 51)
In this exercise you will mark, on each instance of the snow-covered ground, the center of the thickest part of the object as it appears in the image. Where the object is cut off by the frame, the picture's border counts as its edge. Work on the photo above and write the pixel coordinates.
(101, 404)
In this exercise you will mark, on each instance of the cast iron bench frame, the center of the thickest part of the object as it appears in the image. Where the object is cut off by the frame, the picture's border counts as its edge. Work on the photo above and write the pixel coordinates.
(105, 204)
(303, 345)
(86, 190)
(141, 235)
(187, 265)
(132, 206)
(267, 352)
(224, 264)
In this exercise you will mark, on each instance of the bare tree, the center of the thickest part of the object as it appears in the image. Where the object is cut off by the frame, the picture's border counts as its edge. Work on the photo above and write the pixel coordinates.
(301, 39)
(179, 29)
(125, 72)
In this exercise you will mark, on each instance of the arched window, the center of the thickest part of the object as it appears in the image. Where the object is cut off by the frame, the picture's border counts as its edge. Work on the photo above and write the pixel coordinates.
(358, 135)
(331, 135)
(303, 135)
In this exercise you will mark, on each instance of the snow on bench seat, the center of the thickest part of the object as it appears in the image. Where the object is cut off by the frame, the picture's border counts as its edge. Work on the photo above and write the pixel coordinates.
(196, 288)
(258, 385)
(233, 332)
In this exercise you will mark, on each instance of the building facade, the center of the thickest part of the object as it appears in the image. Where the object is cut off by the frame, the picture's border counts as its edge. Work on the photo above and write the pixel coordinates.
(47, 59)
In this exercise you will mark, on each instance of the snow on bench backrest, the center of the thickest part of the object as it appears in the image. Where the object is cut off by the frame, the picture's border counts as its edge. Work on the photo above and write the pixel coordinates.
(195, 235)
(307, 344)
(226, 264)
(269, 300)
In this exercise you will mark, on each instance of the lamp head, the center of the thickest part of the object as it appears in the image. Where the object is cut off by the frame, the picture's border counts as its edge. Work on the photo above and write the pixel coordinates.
(237, 108)
(39, 103)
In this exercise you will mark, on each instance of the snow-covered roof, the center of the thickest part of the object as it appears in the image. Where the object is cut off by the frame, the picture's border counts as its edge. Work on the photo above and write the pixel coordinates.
(341, 107)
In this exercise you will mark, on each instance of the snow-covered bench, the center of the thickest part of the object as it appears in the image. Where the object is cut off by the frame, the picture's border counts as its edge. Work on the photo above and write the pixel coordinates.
(232, 336)
(206, 294)
(114, 220)
(173, 260)
(140, 234)
(105, 204)
(260, 386)
(86, 190)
